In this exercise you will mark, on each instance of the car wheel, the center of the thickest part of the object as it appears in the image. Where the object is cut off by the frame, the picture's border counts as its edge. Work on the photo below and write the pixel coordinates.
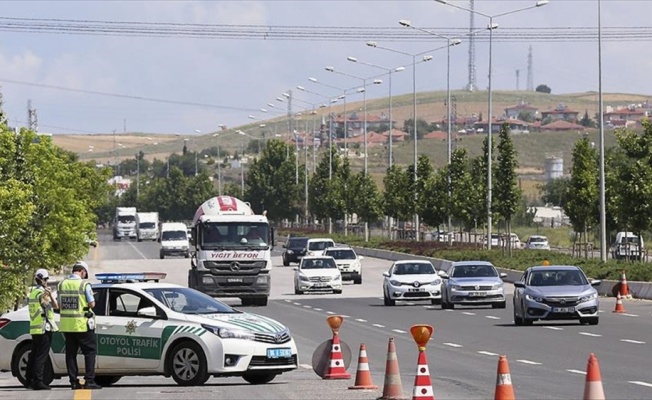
(107, 380)
(435, 301)
(19, 365)
(337, 292)
(388, 301)
(286, 263)
(518, 321)
(258, 378)
(161, 255)
(297, 291)
(187, 255)
(502, 304)
(187, 364)
(140, 240)
(357, 280)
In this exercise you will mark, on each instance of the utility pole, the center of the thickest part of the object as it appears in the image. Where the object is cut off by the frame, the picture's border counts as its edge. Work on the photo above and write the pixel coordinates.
(32, 118)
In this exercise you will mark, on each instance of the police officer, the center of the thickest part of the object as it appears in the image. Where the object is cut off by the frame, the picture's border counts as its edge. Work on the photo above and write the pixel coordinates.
(41, 304)
(78, 324)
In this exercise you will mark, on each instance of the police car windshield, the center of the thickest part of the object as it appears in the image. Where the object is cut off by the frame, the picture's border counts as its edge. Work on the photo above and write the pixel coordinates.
(189, 301)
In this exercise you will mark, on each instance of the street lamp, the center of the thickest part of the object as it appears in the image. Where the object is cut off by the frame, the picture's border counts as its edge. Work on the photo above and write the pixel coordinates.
(219, 163)
(491, 28)
(391, 121)
(603, 214)
(426, 58)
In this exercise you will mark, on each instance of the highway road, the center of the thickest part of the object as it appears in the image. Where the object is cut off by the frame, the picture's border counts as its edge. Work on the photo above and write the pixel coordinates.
(547, 361)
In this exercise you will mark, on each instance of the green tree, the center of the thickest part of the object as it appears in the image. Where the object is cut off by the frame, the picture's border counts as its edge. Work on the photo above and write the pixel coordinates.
(582, 192)
(433, 204)
(326, 192)
(425, 173)
(423, 128)
(526, 116)
(554, 191)
(271, 182)
(586, 121)
(396, 196)
(543, 89)
(461, 186)
(506, 191)
(369, 204)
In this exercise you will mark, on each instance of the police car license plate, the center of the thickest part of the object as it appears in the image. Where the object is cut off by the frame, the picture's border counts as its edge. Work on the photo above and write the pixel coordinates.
(563, 309)
(279, 353)
(478, 294)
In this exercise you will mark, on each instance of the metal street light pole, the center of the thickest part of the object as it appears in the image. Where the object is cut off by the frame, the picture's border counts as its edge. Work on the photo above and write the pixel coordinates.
(603, 208)
(491, 28)
(219, 163)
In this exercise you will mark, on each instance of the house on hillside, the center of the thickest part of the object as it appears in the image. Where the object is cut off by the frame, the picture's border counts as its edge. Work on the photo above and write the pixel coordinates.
(497, 123)
(355, 123)
(561, 112)
(522, 108)
(627, 117)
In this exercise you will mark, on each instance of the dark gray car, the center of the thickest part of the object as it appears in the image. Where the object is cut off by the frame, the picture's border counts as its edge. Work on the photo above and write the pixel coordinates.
(295, 249)
(472, 283)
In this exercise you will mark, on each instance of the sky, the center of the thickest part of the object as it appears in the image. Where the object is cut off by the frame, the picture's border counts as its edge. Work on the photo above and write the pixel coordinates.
(100, 82)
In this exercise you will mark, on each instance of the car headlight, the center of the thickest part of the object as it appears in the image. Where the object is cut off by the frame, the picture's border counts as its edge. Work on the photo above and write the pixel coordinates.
(394, 283)
(496, 286)
(290, 252)
(588, 297)
(304, 278)
(538, 299)
(436, 282)
(455, 287)
(225, 333)
(356, 265)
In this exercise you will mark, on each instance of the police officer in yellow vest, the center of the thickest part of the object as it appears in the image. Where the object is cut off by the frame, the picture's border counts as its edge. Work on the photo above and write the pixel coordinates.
(78, 325)
(41, 304)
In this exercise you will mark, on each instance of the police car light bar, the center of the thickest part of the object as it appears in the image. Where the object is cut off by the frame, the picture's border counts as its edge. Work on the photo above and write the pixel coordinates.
(130, 277)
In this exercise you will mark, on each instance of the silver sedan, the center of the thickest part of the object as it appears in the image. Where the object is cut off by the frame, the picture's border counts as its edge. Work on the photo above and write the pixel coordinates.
(555, 293)
(472, 283)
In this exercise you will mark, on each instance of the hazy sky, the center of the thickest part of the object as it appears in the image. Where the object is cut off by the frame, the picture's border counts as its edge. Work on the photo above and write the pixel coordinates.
(223, 80)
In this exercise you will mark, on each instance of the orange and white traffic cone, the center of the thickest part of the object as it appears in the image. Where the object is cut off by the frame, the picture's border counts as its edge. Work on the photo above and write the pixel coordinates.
(504, 388)
(393, 388)
(593, 388)
(619, 305)
(422, 385)
(624, 289)
(336, 369)
(363, 375)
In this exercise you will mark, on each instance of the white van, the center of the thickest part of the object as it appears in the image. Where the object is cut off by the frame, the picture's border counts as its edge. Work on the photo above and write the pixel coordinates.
(316, 247)
(147, 226)
(174, 240)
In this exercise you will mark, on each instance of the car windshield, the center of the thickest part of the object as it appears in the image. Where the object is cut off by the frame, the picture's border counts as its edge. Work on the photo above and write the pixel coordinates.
(234, 235)
(414, 269)
(629, 239)
(538, 240)
(296, 243)
(318, 263)
(147, 225)
(341, 254)
(473, 271)
(174, 235)
(320, 245)
(562, 277)
(189, 301)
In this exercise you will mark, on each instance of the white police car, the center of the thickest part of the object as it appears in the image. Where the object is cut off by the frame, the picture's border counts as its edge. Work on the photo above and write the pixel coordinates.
(149, 328)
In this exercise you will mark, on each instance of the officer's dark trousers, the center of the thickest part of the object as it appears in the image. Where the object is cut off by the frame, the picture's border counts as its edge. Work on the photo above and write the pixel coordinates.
(85, 341)
(38, 357)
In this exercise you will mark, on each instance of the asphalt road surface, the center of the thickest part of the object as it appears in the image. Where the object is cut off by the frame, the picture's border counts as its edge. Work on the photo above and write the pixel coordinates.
(547, 360)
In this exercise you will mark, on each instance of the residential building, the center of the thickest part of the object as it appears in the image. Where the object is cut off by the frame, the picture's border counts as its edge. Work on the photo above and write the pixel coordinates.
(561, 112)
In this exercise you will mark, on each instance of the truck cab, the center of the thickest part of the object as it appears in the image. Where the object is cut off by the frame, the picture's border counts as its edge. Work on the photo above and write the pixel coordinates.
(147, 226)
(124, 223)
(174, 240)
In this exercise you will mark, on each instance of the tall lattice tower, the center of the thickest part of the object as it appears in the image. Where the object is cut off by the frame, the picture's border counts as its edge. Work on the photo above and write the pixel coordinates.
(530, 77)
(32, 118)
(3, 116)
(471, 85)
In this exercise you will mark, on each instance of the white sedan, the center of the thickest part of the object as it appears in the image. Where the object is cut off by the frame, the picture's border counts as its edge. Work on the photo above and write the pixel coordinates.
(410, 280)
(150, 328)
(317, 274)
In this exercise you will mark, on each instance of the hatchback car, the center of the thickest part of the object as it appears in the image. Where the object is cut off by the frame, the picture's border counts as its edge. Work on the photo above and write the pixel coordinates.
(472, 283)
(295, 248)
(149, 328)
(410, 280)
(555, 293)
(537, 242)
(317, 274)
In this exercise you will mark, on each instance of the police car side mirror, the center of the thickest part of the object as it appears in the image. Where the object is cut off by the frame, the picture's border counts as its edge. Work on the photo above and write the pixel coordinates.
(148, 312)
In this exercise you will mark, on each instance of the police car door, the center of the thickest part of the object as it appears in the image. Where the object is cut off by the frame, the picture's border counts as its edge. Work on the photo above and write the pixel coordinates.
(129, 337)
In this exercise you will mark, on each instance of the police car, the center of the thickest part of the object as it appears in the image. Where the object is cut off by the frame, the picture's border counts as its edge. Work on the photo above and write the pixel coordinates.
(145, 327)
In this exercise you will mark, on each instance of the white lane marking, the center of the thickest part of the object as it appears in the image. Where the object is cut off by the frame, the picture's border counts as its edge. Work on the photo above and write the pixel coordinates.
(589, 334)
(576, 371)
(318, 309)
(629, 315)
(330, 312)
(487, 353)
(468, 313)
(452, 344)
(137, 251)
(430, 307)
(398, 331)
(306, 366)
(361, 320)
(297, 304)
(378, 325)
(447, 310)
(344, 316)
(380, 298)
(554, 328)
(307, 306)
(491, 317)
(641, 383)
(529, 362)
(288, 301)
(409, 304)
(632, 341)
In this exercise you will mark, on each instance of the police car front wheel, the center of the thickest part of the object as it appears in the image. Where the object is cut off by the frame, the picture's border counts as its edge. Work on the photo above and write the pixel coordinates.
(19, 365)
(187, 364)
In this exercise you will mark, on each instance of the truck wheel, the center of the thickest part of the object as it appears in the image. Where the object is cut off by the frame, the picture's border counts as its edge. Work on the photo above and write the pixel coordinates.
(187, 255)
(191, 280)
(357, 280)
(246, 302)
(187, 364)
(140, 240)
(260, 301)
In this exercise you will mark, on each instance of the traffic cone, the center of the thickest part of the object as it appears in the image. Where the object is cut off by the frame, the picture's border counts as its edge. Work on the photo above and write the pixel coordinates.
(504, 388)
(336, 369)
(619, 305)
(393, 388)
(422, 385)
(363, 375)
(593, 388)
(624, 289)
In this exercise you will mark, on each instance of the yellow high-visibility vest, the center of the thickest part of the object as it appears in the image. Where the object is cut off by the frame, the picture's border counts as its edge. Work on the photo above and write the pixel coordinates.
(72, 302)
(37, 314)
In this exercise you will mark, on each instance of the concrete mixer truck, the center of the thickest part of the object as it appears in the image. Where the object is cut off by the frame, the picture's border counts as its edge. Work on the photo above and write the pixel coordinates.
(232, 251)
